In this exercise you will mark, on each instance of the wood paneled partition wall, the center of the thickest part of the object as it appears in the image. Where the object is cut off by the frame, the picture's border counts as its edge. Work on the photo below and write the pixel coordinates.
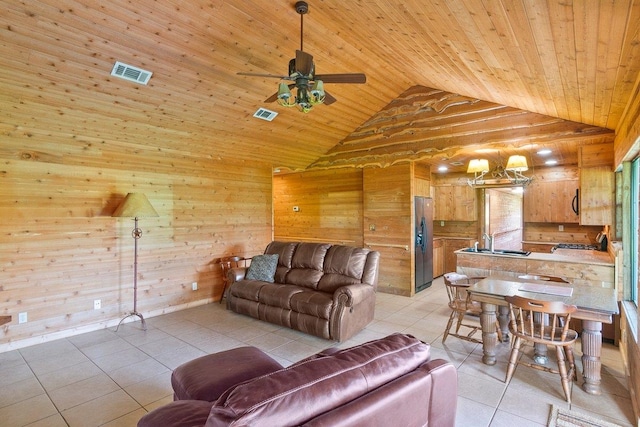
(371, 207)
(60, 249)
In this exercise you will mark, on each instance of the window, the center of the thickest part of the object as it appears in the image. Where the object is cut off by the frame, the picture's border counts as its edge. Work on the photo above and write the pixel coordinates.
(635, 228)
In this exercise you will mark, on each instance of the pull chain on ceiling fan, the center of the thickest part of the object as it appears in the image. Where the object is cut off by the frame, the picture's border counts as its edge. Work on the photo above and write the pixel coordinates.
(310, 86)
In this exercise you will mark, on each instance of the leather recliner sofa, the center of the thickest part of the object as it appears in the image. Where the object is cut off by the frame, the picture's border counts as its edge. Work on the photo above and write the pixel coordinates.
(321, 289)
(387, 382)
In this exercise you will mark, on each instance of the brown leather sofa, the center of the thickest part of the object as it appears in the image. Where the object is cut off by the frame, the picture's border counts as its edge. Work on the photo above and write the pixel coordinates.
(387, 382)
(318, 288)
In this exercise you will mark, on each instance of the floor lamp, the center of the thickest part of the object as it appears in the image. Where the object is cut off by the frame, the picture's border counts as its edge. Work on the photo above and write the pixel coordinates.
(135, 205)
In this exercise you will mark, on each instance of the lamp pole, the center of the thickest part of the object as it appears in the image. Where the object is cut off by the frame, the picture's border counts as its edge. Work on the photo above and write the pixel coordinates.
(136, 233)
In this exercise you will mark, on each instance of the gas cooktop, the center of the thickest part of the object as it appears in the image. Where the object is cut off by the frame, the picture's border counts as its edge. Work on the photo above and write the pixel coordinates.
(575, 246)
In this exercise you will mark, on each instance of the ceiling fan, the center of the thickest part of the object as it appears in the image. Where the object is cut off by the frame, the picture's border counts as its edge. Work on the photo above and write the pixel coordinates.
(310, 86)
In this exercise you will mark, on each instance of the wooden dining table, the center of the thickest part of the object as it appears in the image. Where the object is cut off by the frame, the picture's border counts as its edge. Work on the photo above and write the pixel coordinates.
(595, 306)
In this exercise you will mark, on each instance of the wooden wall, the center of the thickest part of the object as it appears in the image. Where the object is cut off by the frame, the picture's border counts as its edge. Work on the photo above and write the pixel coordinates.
(60, 249)
(370, 208)
(329, 206)
(389, 227)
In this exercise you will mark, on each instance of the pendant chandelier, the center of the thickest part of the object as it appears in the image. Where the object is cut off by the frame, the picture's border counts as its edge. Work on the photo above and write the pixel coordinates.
(511, 174)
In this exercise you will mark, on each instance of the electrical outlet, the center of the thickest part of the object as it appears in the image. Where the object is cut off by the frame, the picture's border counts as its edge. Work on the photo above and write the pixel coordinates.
(22, 317)
(441, 223)
(97, 304)
(561, 228)
(296, 208)
(194, 286)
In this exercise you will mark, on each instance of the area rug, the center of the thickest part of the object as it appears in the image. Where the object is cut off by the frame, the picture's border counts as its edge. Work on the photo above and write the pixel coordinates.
(561, 417)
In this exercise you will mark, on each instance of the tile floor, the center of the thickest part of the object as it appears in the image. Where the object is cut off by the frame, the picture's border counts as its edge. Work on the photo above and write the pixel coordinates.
(104, 378)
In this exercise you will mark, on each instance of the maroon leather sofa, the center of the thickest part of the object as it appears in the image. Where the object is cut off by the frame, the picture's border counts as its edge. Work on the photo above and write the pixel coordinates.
(387, 382)
(318, 288)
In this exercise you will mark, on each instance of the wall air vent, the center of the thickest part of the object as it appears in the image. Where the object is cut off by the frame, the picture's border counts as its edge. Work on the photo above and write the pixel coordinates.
(265, 114)
(131, 73)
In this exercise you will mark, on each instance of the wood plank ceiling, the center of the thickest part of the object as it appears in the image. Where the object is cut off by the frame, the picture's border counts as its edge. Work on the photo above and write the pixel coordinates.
(574, 60)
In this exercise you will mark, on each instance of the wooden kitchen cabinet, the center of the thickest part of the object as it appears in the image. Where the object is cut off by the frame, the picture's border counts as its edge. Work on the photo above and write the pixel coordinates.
(454, 203)
(551, 201)
(597, 190)
(438, 257)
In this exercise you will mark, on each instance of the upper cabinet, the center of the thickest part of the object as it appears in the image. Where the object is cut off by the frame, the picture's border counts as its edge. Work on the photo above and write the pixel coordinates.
(551, 201)
(597, 184)
(597, 188)
(454, 203)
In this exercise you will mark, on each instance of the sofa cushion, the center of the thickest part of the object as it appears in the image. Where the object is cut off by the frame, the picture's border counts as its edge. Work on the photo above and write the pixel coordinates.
(307, 266)
(263, 267)
(318, 384)
(249, 289)
(279, 295)
(343, 265)
(318, 304)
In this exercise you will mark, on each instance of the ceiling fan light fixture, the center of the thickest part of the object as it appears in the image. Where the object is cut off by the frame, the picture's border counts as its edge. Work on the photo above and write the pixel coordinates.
(302, 72)
(317, 93)
(285, 97)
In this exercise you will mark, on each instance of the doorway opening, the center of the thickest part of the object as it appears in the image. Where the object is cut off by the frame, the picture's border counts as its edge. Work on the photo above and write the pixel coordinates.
(503, 217)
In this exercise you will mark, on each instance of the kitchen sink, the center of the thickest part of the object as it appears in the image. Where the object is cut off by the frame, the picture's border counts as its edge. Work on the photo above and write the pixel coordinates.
(498, 251)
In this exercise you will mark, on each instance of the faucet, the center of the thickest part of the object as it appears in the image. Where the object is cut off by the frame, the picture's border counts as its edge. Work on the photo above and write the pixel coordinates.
(491, 240)
(475, 246)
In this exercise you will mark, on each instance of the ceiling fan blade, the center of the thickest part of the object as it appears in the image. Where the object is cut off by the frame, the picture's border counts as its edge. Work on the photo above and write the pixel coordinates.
(264, 75)
(272, 98)
(328, 99)
(342, 78)
(304, 63)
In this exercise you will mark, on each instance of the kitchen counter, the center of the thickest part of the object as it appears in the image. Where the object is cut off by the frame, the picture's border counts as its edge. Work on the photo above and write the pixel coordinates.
(586, 256)
(578, 256)
(580, 267)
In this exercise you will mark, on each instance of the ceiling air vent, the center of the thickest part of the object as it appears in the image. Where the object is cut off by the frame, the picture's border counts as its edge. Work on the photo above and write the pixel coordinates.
(265, 114)
(130, 73)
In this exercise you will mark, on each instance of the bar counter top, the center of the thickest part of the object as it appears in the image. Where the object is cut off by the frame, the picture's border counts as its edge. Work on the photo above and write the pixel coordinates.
(574, 256)
(577, 266)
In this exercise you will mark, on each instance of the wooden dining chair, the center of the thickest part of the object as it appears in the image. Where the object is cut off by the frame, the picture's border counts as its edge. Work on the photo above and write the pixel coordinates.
(226, 264)
(547, 323)
(464, 311)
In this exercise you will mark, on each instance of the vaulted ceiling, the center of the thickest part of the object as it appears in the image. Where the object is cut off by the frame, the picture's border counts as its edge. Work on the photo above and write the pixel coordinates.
(577, 61)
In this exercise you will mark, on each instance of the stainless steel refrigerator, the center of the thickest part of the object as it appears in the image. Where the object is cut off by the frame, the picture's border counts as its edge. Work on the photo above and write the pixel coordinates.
(424, 242)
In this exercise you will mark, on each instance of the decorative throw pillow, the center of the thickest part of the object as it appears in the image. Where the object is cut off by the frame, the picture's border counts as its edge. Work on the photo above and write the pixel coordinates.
(263, 268)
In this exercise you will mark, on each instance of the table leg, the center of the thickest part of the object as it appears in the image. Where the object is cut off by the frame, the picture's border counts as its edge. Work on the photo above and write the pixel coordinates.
(503, 321)
(591, 351)
(489, 334)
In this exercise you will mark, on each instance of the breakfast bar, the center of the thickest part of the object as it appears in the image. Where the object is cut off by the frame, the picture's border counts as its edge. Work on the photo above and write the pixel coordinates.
(579, 267)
